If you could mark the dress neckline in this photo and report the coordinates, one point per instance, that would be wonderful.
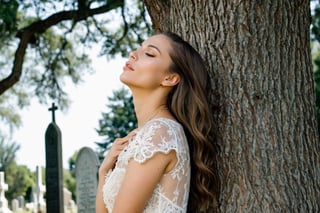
(164, 119)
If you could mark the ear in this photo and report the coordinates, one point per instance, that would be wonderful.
(171, 80)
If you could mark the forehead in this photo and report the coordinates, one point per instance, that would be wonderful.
(160, 41)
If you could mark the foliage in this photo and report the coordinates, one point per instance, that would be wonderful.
(9, 116)
(70, 175)
(18, 177)
(118, 120)
(47, 44)
(20, 180)
(8, 153)
(8, 17)
(315, 23)
(315, 51)
(69, 182)
(72, 162)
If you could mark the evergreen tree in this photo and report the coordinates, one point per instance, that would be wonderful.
(118, 120)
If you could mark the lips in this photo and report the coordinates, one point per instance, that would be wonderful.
(128, 67)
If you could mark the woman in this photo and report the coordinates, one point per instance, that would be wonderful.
(168, 163)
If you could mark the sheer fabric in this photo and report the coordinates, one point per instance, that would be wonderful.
(171, 193)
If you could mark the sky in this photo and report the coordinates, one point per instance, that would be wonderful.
(78, 123)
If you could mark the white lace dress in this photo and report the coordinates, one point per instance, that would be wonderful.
(171, 193)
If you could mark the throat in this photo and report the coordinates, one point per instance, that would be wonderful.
(145, 117)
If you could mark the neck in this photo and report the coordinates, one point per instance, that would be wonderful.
(148, 108)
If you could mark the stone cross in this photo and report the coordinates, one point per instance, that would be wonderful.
(3, 201)
(53, 109)
(54, 167)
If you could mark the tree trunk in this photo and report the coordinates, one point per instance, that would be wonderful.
(258, 54)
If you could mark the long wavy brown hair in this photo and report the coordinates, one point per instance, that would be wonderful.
(189, 103)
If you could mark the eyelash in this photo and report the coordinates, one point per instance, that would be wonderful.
(150, 55)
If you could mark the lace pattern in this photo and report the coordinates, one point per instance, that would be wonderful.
(171, 193)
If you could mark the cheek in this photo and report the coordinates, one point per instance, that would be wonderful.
(141, 78)
(156, 73)
(147, 74)
(148, 79)
(153, 70)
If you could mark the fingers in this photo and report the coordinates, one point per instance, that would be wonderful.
(121, 142)
(117, 147)
(129, 136)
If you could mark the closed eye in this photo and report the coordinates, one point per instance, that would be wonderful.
(150, 55)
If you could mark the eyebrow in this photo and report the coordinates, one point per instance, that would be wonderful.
(152, 46)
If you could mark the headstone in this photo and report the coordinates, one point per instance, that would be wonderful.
(69, 205)
(14, 205)
(39, 191)
(54, 167)
(87, 165)
(21, 201)
(3, 201)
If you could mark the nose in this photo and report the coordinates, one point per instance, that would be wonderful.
(133, 55)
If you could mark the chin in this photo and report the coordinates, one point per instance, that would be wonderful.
(125, 81)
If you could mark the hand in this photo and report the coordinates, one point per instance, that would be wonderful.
(111, 158)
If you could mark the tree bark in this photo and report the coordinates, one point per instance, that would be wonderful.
(258, 56)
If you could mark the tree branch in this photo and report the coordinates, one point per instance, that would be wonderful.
(28, 35)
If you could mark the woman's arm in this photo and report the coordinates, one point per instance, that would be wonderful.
(100, 206)
(140, 181)
(107, 164)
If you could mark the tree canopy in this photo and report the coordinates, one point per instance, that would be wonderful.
(46, 43)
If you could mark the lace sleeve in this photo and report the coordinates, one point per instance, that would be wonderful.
(155, 136)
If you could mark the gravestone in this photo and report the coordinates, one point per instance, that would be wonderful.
(54, 167)
(87, 165)
(69, 205)
(3, 201)
(21, 201)
(15, 205)
(39, 191)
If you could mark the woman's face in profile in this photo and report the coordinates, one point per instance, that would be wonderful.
(148, 65)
